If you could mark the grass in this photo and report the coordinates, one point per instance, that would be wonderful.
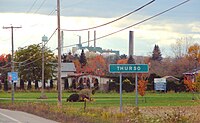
(108, 99)
(158, 107)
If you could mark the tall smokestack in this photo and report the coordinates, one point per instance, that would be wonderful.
(131, 45)
(88, 38)
(79, 39)
(94, 39)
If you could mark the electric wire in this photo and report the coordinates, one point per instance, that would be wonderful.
(52, 12)
(40, 6)
(119, 18)
(32, 6)
(147, 19)
(21, 62)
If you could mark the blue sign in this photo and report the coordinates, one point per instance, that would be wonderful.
(12, 76)
(128, 68)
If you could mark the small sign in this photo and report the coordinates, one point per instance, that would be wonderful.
(12, 76)
(128, 68)
(160, 84)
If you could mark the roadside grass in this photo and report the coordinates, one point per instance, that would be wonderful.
(108, 99)
(153, 108)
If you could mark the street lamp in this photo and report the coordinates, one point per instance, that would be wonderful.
(44, 40)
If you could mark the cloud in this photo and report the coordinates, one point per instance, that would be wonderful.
(34, 26)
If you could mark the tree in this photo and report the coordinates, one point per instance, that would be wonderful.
(198, 82)
(190, 85)
(131, 60)
(66, 84)
(77, 65)
(69, 57)
(83, 59)
(51, 83)
(36, 84)
(142, 85)
(156, 56)
(30, 62)
(29, 85)
(194, 53)
(122, 61)
(180, 47)
(124, 56)
(5, 66)
(64, 58)
(21, 84)
(96, 66)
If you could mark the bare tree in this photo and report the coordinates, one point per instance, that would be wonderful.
(180, 47)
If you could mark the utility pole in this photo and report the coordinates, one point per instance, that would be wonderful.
(44, 40)
(12, 59)
(59, 84)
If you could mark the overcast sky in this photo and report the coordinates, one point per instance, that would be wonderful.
(38, 18)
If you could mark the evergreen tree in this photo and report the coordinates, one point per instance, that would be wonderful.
(157, 56)
(131, 60)
(69, 57)
(83, 59)
(124, 56)
(64, 58)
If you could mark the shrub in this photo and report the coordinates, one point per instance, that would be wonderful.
(0, 86)
(111, 86)
(87, 92)
(127, 86)
(6, 85)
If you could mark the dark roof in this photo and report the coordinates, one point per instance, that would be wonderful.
(171, 77)
(193, 71)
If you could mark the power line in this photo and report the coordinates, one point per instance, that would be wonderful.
(112, 20)
(35, 53)
(135, 23)
(32, 6)
(40, 6)
(52, 12)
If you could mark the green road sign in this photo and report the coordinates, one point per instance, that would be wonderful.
(128, 68)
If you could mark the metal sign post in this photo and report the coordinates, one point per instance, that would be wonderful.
(136, 90)
(120, 78)
(128, 68)
(12, 77)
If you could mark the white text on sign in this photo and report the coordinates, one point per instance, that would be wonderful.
(128, 68)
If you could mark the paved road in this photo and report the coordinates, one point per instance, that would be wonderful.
(8, 116)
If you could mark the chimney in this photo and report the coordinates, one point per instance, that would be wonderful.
(94, 39)
(88, 38)
(131, 45)
(79, 37)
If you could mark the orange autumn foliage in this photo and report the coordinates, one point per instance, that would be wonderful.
(190, 85)
(142, 86)
(122, 61)
(95, 66)
(77, 65)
